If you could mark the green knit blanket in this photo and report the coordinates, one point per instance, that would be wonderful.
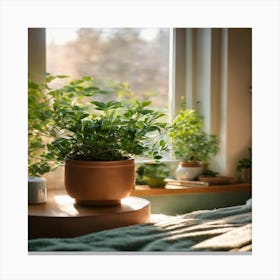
(224, 229)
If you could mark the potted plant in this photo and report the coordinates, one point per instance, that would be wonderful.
(191, 144)
(97, 141)
(153, 174)
(139, 174)
(244, 167)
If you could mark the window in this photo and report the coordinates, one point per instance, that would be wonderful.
(205, 66)
(137, 56)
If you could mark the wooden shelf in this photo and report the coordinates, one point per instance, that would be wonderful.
(61, 217)
(147, 191)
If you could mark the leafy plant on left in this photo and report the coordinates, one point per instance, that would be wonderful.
(68, 123)
(41, 116)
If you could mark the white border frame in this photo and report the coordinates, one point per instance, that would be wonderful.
(17, 16)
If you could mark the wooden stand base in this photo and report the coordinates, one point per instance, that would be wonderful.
(62, 217)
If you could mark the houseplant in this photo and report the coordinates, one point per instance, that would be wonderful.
(97, 141)
(39, 114)
(40, 132)
(153, 173)
(191, 144)
(244, 167)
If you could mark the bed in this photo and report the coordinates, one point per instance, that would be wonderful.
(218, 230)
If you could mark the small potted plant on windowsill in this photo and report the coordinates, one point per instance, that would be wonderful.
(97, 141)
(191, 144)
(153, 174)
(244, 167)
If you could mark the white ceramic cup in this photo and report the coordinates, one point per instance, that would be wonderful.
(37, 191)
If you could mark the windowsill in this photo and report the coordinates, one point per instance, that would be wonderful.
(144, 190)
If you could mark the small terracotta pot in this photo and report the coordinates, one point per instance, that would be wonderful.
(99, 182)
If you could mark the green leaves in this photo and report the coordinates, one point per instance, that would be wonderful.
(112, 135)
(189, 141)
(90, 91)
(53, 112)
(245, 162)
(39, 168)
(107, 106)
(66, 122)
(155, 170)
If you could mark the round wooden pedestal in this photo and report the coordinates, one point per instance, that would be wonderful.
(61, 217)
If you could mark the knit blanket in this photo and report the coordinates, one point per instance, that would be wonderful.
(224, 229)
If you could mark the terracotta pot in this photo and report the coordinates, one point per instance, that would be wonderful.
(99, 182)
(189, 170)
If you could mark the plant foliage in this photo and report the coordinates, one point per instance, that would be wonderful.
(77, 126)
(156, 170)
(189, 141)
(245, 162)
(39, 116)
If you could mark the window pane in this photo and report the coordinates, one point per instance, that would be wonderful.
(137, 56)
